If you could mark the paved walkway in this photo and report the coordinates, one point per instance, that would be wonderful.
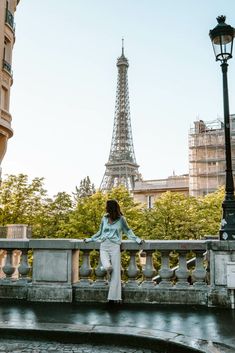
(21, 346)
(185, 324)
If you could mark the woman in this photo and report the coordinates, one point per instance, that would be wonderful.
(112, 226)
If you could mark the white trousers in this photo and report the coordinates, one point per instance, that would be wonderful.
(110, 256)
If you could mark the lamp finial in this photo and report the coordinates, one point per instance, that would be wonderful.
(221, 19)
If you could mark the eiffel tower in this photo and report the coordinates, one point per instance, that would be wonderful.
(121, 168)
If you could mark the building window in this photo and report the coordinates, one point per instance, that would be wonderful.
(9, 17)
(7, 50)
(149, 201)
(7, 55)
(4, 98)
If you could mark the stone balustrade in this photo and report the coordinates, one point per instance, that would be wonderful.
(61, 270)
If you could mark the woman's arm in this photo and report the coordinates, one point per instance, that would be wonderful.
(129, 232)
(96, 235)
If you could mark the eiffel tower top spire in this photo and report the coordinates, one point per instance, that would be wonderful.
(122, 60)
(121, 168)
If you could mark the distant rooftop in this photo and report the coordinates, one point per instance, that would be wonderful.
(174, 181)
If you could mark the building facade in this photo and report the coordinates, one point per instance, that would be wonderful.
(7, 39)
(207, 156)
(147, 191)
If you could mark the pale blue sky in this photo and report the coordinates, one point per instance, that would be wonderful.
(65, 74)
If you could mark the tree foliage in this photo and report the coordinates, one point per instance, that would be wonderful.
(25, 202)
(85, 219)
(20, 200)
(209, 212)
(86, 188)
(174, 215)
(56, 211)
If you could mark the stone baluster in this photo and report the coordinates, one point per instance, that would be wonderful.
(148, 270)
(182, 272)
(132, 270)
(8, 268)
(100, 276)
(24, 267)
(233, 256)
(199, 274)
(165, 272)
(15, 263)
(2, 262)
(85, 269)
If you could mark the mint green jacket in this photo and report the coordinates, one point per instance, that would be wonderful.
(113, 231)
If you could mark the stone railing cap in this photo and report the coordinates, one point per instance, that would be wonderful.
(221, 245)
(14, 243)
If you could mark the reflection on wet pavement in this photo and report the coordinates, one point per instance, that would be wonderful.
(198, 322)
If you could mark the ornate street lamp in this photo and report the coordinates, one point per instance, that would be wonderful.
(222, 40)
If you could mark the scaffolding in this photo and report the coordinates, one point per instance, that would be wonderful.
(207, 155)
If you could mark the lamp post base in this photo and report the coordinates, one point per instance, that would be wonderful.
(227, 231)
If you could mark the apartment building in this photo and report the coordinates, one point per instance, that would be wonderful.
(147, 191)
(7, 39)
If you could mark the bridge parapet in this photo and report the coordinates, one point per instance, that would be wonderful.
(164, 272)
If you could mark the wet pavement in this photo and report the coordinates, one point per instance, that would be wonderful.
(21, 346)
(191, 323)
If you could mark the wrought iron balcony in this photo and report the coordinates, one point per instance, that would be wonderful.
(10, 19)
(6, 66)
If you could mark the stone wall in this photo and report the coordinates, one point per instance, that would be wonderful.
(60, 270)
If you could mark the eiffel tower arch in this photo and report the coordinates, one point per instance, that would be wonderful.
(121, 168)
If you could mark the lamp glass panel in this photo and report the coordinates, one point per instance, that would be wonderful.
(223, 47)
(223, 39)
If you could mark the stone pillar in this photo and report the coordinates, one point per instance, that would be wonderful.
(221, 253)
(17, 231)
(55, 269)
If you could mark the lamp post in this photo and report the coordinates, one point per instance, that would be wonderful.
(222, 40)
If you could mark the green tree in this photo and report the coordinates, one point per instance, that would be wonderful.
(84, 221)
(85, 189)
(174, 216)
(21, 201)
(210, 212)
(56, 211)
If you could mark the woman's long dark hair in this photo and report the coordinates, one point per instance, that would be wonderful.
(113, 210)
